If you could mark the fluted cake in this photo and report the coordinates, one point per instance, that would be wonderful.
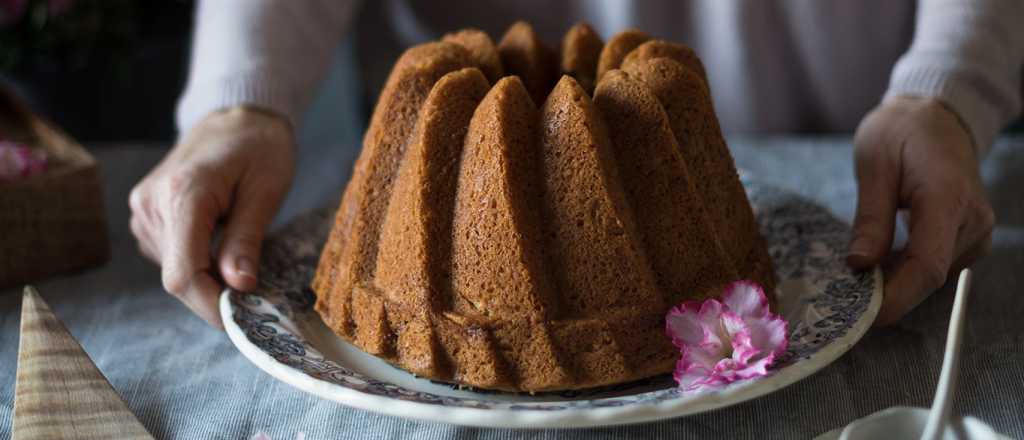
(521, 219)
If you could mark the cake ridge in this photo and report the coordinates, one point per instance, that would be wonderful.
(581, 50)
(496, 236)
(654, 49)
(590, 221)
(523, 54)
(684, 94)
(482, 50)
(660, 188)
(617, 48)
(394, 118)
(414, 255)
(492, 185)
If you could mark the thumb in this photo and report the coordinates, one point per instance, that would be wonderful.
(877, 203)
(254, 209)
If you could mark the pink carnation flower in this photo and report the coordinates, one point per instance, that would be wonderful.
(725, 341)
(18, 161)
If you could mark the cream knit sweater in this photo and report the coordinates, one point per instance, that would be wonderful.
(774, 66)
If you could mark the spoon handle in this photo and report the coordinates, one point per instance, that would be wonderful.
(943, 403)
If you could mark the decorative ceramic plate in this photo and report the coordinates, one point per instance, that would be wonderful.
(828, 306)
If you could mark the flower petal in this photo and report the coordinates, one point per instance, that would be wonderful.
(739, 335)
(683, 326)
(710, 311)
(706, 358)
(716, 339)
(688, 375)
(768, 334)
(758, 368)
(733, 324)
(746, 298)
(699, 380)
(696, 324)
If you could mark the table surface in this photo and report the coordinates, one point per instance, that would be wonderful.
(186, 380)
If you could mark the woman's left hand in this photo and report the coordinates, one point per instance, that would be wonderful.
(913, 153)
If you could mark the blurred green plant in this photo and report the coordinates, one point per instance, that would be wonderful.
(64, 35)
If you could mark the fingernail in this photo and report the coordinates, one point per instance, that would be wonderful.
(858, 260)
(859, 254)
(245, 267)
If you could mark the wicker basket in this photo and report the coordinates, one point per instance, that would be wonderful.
(54, 222)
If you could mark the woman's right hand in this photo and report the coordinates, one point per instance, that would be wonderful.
(233, 168)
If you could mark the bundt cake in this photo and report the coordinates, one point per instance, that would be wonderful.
(507, 229)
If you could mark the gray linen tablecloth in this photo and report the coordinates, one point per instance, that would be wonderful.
(185, 380)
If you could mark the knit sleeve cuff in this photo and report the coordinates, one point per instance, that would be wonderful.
(960, 91)
(255, 88)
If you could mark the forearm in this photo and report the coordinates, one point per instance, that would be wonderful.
(968, 54)
(269, 54)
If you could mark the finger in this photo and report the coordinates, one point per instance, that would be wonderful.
(925, 262)
(239, 256)
(185, 253)
(974, 240)
(877, 203)
(202, 296)
(142, 236)
(972, 254)
(137, 200)
(141, 204)
(975, 237)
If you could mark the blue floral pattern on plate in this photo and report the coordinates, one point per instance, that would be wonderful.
(806, 242)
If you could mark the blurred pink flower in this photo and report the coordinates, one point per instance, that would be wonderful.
(725, 341)
(18, 161)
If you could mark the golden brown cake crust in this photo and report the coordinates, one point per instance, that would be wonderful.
(524, 55)
(498, 259)
(672, 217)
(482, 49)
(596, 243)
(491, 242)
(617, 48)
(684, 95)
(413, 261)
(351, 251)
(581, 49)
(677, 52)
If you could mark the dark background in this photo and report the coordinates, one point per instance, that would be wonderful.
(104, 70)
